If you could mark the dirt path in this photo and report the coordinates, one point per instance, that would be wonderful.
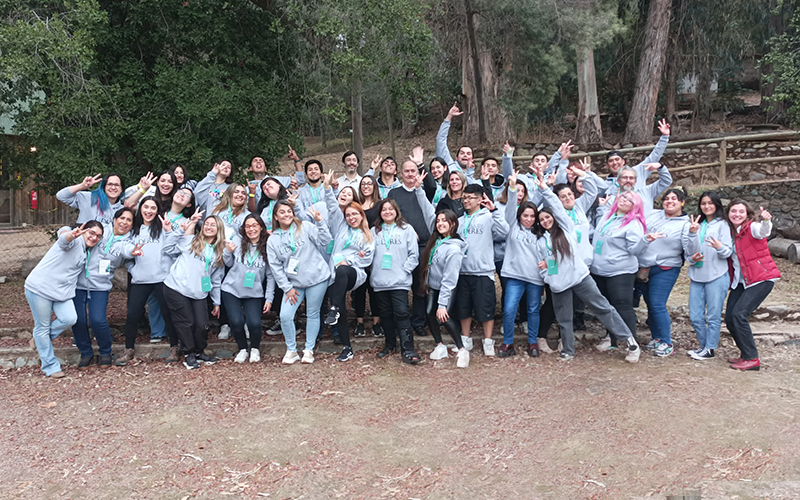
(504, 428)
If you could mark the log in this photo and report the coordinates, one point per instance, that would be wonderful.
(794, 253)
(780, 247)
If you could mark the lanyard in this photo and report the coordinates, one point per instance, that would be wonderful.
(384, 190)
(230, 215)
(436, 247)
(208, 253)
(467, 222)
(388, 237)
(703, 229)
(176, 217)
(351, 236)
(547, 244)
(571, 213)
(315, 193)
(610, 220)
(291, 237)
(110, 244)
(88, 256)
(251, 258)
(270, 206)
(437, 195)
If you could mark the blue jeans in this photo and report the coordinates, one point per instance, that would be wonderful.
(656, 293)
(157, 325)
(705, 309)
(241, 311)
(514, 291)
(97, 302)
(44, 331)
(313, 295)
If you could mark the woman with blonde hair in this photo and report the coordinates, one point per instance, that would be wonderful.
(232, 209)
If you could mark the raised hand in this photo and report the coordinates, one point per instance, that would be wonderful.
(215, 169)
(551, 179)
(252, 186)
(507, 149)
(484, 173)
(663, 127)
(579, 172)
(420, 178)
(137, 250)
(165, 223)
(454, 111)
(327, 179)
(315, 213)
(694, 223)
(486, 202)
(147, 181)
(586, 164)
(90, 181)
(713, 242)
(293, 184)
(764, 214)
(417, 154)
(292, 154)
(78, 231)
(651, 237)
(566, 150)
(197, 215)
(292, 198)
(603, 200)
(652, 167)
(512, 181)
(375, 163)
(230, 246)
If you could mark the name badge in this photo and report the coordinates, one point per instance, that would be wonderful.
(329, 248)
(598, 247)
(205, 282)
(386, 261)
(552, 267)
(229, 233)
(579, 235)
(104, 269)
(249, 279)
(294, 263)
(338, 259)
(698, 264)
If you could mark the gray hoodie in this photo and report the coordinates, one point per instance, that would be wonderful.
(568, 271)
(186, 275)
(667, 251)
(445, 267)
(157, 255)
(443, 152)
(715, 262)
(207, 193)
(519, 261)
(233, 223)
(303, 251)
(55, 276)
(235, 279)
(583, 229)
(391, 268)
(104, 259)
(82, 200)
(347, 244)
(655, 155)
(479, 231)
(616, 248)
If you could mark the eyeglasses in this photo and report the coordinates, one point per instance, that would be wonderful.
(94, 234)
(473, 198)
(113, 184)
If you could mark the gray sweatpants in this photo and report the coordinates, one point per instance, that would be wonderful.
(588, 292)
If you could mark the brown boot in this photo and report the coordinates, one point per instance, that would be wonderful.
(127, 357)
(174, 355)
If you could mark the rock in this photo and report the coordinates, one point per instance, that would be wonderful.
(777, 309)
(687, 182)
(761, 316)
(20, 362)
(792, 232)
(760, 145)
(119, 283)
(34, 362)
(794, 316)
(756, 176)
(714, 146)
(682, 151)
(6, 364)
(749, 150)
(224, 354)
(786, 148)
(27, 266)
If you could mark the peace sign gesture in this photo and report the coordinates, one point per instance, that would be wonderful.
(137, 250)
(292, 198)
(586, 164)
(486, 202)
(78, 231)
(147, 180)
(327, 179)
(90, 181)
(197, 215)
(714, 242)
(315, 213)
(603, 200)
(420, 178)
(566, 149)
(651, 237)
(694, 223)
(579, 172)
(165, 223)
(375, 162)
(454, 111)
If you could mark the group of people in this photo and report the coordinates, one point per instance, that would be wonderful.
(560, 239)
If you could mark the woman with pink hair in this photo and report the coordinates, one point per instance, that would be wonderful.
(620, 236)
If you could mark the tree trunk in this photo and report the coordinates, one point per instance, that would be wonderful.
(648, 80)
(702, 94)
(589, 129)
(476, 70)
(777, 25)
(358, 132)
(389, 121)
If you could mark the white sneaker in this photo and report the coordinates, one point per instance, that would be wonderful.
(560, 346)
(308, 356)
(241, 357)
(604, 345)
(255, 356)
(291, 357)
(524, 327)
(488, 347)
(246, 332)
(275, 329)
(467, 341)
(633, 355)
(440, 352)
(224, 332)
(462, 358)
(502, 330)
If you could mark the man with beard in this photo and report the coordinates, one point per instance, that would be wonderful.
(350, 178)
(259, 169)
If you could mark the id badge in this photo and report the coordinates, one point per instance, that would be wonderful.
(552, 267)
(579, 235)
(337, 259)
(104, 269)
(205, 282)
(698, 264)
(294, 263)
(249, 279)
(329, 248)
(229, 233)
(598, 247)
(386, 262)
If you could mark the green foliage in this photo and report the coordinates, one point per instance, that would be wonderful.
(784, 55)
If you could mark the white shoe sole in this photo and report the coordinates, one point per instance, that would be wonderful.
(291, 360)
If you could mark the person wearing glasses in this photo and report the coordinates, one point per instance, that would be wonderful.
(51, 285)
(100, 204)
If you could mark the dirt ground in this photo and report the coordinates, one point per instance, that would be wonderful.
(534, 428)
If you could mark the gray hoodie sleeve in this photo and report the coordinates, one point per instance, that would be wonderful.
(559, 213)
(335, 216)
(635, 241)
(428, 212)
(413, 250)
(452, 266)
(217, 273)
(201, 189)
(499, 225)
(508, 164)
(269, 294)
(663, 183)
(590, 189)
(441, 145)
(658, 151)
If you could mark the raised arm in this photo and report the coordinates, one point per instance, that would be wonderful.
(559, 213)
(441, 137)
(428, 212)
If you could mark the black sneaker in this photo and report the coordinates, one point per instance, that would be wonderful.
(346, 355)
(377, 330)
(333, 316)
(387, 351)
(190, 362)
(703, 354)
(420, 331)
(205, 358)
(337, 340)
(85, 362)
(360, 330)
(105, 361)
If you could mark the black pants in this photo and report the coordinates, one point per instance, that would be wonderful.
(137, 298)
(190, 317)
(359, 298)
(619, 292)
(393, 310)
(547, 314)
(241, 312)
(432, 303)
(345, 280)
(741, 304)
(418, 300)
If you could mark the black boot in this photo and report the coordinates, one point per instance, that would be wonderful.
(407, 346)
(389, 343)
(578, 323)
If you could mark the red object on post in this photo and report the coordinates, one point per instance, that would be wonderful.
(34, 200)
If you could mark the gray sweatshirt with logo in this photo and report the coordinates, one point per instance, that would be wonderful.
(82, 200)
(104, 259)
(479, 231)
(234, 280)
(391, 268)
(568, 271)
(186, 275)
(715, 262)
(157, 255)
(311, 267)
(445, 268)
(55, 276)
(617, 248)
(667, 251)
